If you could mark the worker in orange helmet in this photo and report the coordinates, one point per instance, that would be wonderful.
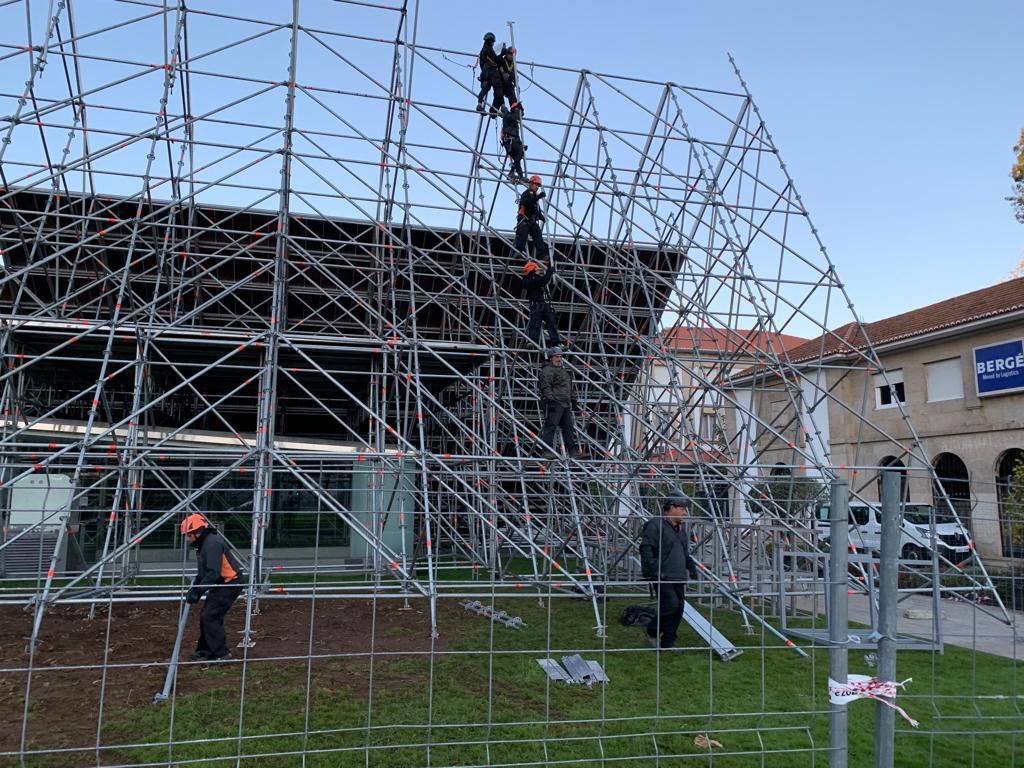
(219, 576)
(535, 285)
(529, 220)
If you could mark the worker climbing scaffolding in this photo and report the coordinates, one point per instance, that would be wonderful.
(529, 220)
(507, 72)
(512, 140)
(558, 399)
(490, 77)
(535, 285)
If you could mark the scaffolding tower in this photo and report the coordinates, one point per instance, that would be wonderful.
(261, 268)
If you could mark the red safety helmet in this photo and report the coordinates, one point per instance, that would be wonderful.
(530, 266)
(192, 523)
(535, 179)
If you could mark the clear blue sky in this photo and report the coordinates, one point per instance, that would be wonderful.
(896, 119)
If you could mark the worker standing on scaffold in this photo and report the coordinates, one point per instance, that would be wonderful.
(665, 561)
(507, 70)
(219, 577)
(512, 140)
(557, 400)
(529, 220)
(490, 77)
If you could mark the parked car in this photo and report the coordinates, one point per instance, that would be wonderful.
(952, 539)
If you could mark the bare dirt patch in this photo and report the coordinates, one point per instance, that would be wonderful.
(84, 669)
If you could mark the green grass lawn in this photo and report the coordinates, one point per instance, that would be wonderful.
(768, 707)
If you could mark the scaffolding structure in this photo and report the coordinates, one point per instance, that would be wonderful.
(264, 268)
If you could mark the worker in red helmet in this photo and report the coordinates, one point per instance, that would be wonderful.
(219, 577)
(490, 77)
(529, 220)
(535, 286)
(512, 140)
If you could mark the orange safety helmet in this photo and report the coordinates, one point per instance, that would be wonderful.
(193, 523)
(535, 179)
(530, 266)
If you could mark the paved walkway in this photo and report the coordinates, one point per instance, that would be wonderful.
(963, 624)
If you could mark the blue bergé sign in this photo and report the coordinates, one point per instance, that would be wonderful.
(999, 368)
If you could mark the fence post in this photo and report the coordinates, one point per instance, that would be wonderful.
(888, 596)
(838, 619)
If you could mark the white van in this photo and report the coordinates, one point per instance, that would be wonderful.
(954, 542)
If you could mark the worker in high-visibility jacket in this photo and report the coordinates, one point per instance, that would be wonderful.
(219, 577)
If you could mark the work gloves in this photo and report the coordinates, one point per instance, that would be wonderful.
(193, 596)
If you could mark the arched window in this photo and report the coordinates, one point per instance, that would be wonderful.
(951, 477)
(781, 470)
(894, 463)
(1010, 524)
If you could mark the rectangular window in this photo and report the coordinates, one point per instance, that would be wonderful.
(888, 395)
(708, 425)
(945, 380)
(859, 515)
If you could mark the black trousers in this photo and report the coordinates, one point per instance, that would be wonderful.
(558, 416)
(514, 148)
(542, 314)
(671, 600)
(509, 87)
(211, 621)
(490, 79)
(530, 228)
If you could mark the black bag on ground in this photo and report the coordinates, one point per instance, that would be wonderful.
(637, 616)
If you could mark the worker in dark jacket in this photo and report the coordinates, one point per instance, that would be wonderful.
(665, 561)
(557, 401)
(529, 220)
(507, 70)
(490, 76)
(535, 285)
(512, 139)
(219, 577)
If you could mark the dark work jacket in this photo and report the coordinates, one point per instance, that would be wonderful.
(556, 384)
(488, 58)
(215, 562)
(510, 125)
(664, 551)
(535, 285)
(508, 72)
(529, 206)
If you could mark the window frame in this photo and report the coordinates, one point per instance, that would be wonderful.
(927, 387)
(895, 377)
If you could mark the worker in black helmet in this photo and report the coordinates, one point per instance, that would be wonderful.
(512, 140)
(665, 561)
(490, 77)
(529, 220)
(535, 285)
